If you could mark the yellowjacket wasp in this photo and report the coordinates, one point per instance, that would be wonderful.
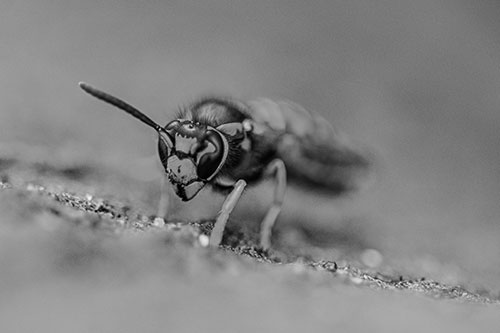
(228, 144)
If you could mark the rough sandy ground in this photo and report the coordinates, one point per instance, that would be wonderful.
(79, 253)
(416, 81)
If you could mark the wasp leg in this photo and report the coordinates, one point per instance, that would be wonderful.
(227, 208)
(164, 203)
(276, 168)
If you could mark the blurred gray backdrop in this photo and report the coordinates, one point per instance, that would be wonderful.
(417, 81)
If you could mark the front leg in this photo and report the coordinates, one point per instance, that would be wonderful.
(164, 203)
(227, 208)
(278, 170)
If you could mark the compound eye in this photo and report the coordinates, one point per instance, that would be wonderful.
(211, 159)
(165, 144)
(172, 125)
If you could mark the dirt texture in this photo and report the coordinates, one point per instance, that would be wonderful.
(79, 253)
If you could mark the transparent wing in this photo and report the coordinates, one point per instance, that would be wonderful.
(315, 154)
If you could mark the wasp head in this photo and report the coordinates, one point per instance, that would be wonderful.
(192, 154)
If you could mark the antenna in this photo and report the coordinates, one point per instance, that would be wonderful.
(121, 105)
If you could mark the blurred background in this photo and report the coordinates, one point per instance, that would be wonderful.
(417, 82)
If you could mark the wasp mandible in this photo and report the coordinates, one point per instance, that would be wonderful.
(228, 144)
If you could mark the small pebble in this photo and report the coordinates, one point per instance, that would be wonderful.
(159, 222)
(172, 226)
(107, 216)
(204, 240)
(120, 222)
(298, 267)
(341, 271)
(356, 280)
(371, 258)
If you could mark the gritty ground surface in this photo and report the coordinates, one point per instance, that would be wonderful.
(79, 254)
(416, 81)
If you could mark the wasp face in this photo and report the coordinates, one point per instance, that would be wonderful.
(192, 154)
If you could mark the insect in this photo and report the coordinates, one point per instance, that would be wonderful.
(228, 144)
